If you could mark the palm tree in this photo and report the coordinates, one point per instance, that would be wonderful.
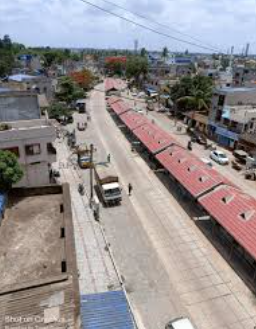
(198, 95)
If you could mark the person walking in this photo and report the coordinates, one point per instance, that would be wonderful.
(108, 158)
(130, 188)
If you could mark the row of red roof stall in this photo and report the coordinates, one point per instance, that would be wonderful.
(227, 204)
(114, 84)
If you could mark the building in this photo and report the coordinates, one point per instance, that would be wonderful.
(18, 105)
(24, 82)
(39, 277)
(233, 111)
(31, 141)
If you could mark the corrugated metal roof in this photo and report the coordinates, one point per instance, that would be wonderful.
(116, 84)
(192, 173)
(133, 120)
(113, 99)
(120, 107)
(21, 77)
(236, 212)
(108, 310)
(153, 138)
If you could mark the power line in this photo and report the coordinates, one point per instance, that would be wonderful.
(157, 23)
(149, 28)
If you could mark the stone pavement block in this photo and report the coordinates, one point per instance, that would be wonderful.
(248, 324)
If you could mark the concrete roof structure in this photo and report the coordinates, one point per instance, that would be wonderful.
(38, 263)
(231, 90)
(236, 212)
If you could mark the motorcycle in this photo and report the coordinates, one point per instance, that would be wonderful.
(81, 189)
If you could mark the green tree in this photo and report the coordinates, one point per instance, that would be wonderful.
(58, 110)
(193, 93)
(69, 91)
(137, 68)
(165, 53)
(10, 170)
(143, 52)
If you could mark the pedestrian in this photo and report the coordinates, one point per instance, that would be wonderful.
(108, 158)
(130, 188)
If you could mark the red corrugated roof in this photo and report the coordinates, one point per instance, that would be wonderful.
(133, 120)
(120, 107)
(153, 137)
(113, 99)
(236, 212)
(116, 84)
(194, 175)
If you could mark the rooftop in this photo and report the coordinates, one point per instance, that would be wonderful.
(32, 254)
(230, 90)
(20, 77)
(236, 212)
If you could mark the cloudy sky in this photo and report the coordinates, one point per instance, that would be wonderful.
(72, 23)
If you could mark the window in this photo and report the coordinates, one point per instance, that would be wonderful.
(14, 150)
(32, 149)
(221, 100)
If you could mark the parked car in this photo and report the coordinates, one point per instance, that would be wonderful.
(138, 110)
(219, 157)
(207, 162)
(141, 95)
(180, 323)
(162, 109)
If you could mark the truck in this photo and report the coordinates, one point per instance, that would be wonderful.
(107, 183)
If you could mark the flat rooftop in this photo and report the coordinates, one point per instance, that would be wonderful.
(30, 247)
(38, 266)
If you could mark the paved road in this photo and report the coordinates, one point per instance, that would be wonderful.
(169, 267)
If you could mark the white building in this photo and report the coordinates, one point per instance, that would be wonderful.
(32, 142)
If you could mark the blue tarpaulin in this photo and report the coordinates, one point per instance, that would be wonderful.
(2, 204)
(107, 310)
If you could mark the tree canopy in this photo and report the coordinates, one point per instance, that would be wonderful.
(58, 111)
(193, 93)
(10, 170)
(8, 50)
(69, 91)
(84, 78)
(137, 68)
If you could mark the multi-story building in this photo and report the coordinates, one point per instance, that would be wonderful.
(233, 111)
(32, 142)
(18, 105)
(23, 82)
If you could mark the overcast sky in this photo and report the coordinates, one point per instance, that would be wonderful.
(71, 23)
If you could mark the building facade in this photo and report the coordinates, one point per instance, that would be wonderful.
(232, 113)
(32, 142)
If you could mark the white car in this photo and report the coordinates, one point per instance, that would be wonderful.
(207, 162)
(181, 323)
(141, 95)
(138, 110)
(220, 157)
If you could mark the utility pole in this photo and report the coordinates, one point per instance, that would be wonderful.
(91, 174)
